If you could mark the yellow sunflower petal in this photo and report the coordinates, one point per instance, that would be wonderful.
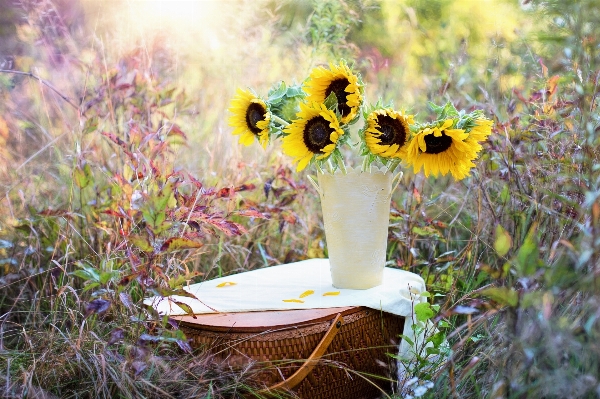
(244, 104)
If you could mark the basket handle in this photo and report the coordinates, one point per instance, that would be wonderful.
(310, 363)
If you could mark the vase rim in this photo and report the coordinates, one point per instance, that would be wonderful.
(356, 171)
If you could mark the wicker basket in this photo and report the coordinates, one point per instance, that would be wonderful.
(317, 353)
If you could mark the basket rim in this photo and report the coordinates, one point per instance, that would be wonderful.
(262, 321)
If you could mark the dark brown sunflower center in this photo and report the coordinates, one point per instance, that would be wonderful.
(435, 145)
(254, 114)
(392, 131)
(338, 87)
(317, 134)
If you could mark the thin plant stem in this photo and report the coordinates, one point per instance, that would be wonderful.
(279, 120)
(365, 164)
(330, 165)
(45, 83)
(393, 165)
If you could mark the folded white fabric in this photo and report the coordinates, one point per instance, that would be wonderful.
(281, 287)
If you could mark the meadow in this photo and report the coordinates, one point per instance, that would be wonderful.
(113, 124)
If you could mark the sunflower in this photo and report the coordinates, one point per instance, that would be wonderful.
(250, 118)
(481, 130)
(441, 149)
(387, 133)
(315, 133)
(338, 79)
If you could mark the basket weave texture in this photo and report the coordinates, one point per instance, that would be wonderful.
(349, 368)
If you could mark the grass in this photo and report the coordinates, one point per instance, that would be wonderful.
(134, 187)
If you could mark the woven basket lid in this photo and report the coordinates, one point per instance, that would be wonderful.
(261, 321)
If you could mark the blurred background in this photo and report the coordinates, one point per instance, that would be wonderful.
(104, 103)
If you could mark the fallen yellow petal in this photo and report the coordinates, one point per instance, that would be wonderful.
(226, 284)
(293, 300)
(306, 293)
(331, 293)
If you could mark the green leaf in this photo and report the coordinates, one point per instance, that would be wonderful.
(85, 275)
(432, 351)
(106, 276)
(82, 176)
(91, 125)
(502, 242)
(437, 338)
(177, 281)
(528, 254)
(276, 93)
(502, 295)
(331, 102)
(290, 108)
(410, 341)
(90, 286)
(295, 91)
(443, 324)
(426, 231)
(423, 311)
(444, 112)
(186, 308)
(505, 194)
(141, 242)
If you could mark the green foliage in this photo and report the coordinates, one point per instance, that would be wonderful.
(134, 191)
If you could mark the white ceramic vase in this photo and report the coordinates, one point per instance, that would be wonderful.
(356, 215)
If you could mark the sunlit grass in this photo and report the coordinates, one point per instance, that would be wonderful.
(135, 69)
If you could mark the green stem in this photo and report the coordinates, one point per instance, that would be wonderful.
(330, 165)
(277, 119)
(365, 163)
(342, 166)
(394, 165)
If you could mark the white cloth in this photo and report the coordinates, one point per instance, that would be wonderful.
(266, 289)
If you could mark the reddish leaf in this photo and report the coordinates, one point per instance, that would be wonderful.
(519, 96)
(56, 213)
(253, 213)
(145, 280)
(278, 191)
(128, 278)
(184, 345)
(417, 195)
(138, 366)
(126, 300)
(173, 323)
(98, 306)
(196, 182)
(177, 243)
(225, 192)
(552, 84)
(230, 228)
(144, 338)
(287, 200)
(267, 187)
(133, 259)
(116, 335)
(176, 130)
(121, 144)
(289, 217)
(245, 187)
(114, 213)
